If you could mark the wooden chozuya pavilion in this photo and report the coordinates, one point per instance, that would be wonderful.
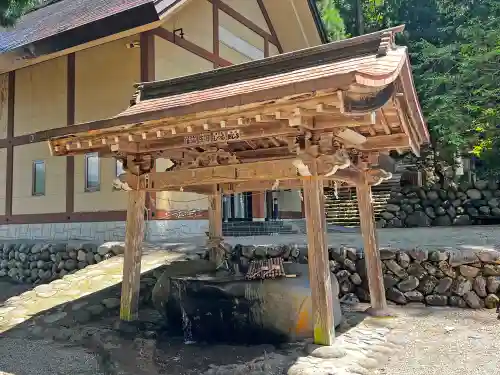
(299, 120)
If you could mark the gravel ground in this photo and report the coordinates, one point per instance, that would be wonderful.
(25, 357)
(448, 341)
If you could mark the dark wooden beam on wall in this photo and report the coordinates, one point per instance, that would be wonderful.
(215, 25)
(9, 178)
(190, 46)
(70, 120)
(274, 39)
(247, 22)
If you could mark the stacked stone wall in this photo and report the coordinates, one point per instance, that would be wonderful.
(38, 263)
(439, 205)
(468, 277)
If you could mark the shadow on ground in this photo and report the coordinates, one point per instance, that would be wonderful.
(87, 330)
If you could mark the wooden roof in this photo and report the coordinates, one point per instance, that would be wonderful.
(356, 94)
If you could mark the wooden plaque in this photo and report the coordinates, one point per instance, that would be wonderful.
(221, 136)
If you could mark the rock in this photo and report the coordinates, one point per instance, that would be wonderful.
(491, 270)
(492, 185)
(491, 301)
(419, 255)
(387, 215)
(395, 295)
(468, 271)
(70, 265)
(390, 281)
(430, 268)
(489, 256)
(462, 220)
(81, 316)
(457, 301)
(363, 294)
(461, 286)
(474, 194)
(342, 275)
(463, 255)
(410, 283)
(90, 258)
(37, 248)
(392, 207)
(472, 212)
(493, 284)
(408, 208)
(414, 296)
(438, 256)
(479, 286)
(81, 256)
(480, 184)
(349, 299)
(444, 285)
(440, 211)
(97, 258)
(429, 211)
(350, 265)
(456, 203)
(72, 254)
(427, 284)
(356, 279)
(436, 300)
(111, 303)
(494, 202)
(432, 195)
(484, 210)
(395, 268)
(387, 254)
(82, 265)
(403, 259)
(442, 221)
(416, 269)
(418, 219)
(334, 266)
(95, 309)
(472, 300)
(260, 252)
(346, 286)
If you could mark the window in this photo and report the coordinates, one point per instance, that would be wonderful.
(38, 187)
(242, 46)
(92, 178)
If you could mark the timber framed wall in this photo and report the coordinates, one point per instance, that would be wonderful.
(44, 100)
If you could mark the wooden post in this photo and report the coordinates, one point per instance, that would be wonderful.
(132, 257)
(319, 270)
(372, 256)
(215, 224)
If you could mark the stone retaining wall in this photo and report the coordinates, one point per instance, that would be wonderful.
(467, 277)
(442, 205)
(37, 263)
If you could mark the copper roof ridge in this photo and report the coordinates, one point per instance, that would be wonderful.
(373, 43)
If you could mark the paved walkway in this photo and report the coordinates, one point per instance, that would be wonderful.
(92, 279)
(406, 238)
(447, 341)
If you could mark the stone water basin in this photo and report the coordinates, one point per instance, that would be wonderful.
(209, 307)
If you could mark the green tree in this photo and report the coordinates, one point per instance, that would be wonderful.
(454, 48)
(11, 10)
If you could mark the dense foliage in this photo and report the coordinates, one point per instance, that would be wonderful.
(11, 10)
(455, 52)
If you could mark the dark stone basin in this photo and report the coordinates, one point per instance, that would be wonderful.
(208, 307)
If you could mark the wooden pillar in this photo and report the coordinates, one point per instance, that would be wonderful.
(132, 257)
(372, 256)
(215, 224)
(319, 270)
